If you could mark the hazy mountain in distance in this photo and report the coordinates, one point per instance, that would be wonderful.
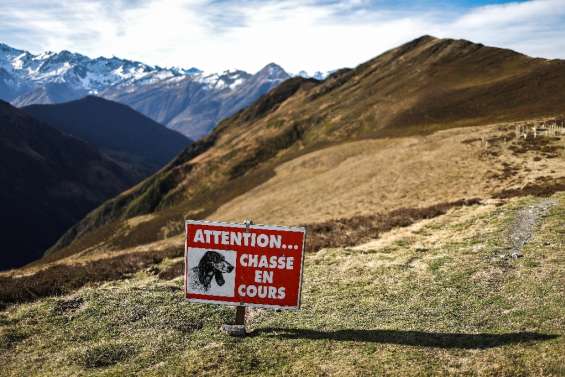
(120, 132)
(306, 148)
(49, 181)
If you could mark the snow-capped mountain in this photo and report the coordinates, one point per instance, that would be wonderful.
(194, 105)
(67, 71)
(316, 75)
(188, 100)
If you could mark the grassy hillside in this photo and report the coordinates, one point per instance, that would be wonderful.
(442, 296)
(342, 181)
(290, 156)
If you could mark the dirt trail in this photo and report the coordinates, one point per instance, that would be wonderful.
(523, 227)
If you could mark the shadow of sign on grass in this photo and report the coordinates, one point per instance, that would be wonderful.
(409, 338)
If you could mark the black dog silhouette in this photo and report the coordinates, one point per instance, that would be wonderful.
(212, 265)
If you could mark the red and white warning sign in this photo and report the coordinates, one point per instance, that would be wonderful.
(235, 264)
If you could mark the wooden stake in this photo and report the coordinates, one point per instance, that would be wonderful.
(240, 315)
(238, 328)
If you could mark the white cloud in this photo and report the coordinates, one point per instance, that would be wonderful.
(311, 35)
(535, 12)
(536, 28)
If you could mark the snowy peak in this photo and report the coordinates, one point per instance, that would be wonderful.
(186, 99)
(316, 75)
(227, 80)
(6, 50)
(9, 55)
(273, 71)
(190, 71)
(82, 75)
(77, 71)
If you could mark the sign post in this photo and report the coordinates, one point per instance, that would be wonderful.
(243, 265)
(240, 315)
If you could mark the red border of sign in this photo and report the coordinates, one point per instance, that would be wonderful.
(254, 226)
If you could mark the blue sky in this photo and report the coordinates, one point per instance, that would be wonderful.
(312, 35)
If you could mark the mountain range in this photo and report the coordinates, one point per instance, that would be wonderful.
(397, 131)
(194, 105)
(188, 100)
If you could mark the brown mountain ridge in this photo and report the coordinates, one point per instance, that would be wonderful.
(401, 130)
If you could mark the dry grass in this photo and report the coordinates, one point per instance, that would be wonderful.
(372, 176)
(62, 278)
(355, 230)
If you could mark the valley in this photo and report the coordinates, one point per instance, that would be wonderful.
(339, 152)
(67, 159)
(52, 181)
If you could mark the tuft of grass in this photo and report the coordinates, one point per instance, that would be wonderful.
(67, 305)
(436, 263)
(103, 355)
(10, 337)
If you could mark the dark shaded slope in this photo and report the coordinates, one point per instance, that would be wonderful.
(425, 85)
(48, 181)
(119, 131)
